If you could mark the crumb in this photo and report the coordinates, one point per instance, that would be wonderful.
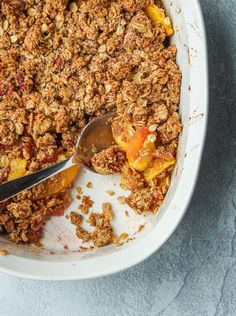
(98, 220)
(79, 190)
(83, 209)
(103, 233)
(127, 214)
(79, 194)
(4, 252)
(131, 179)
(123, 236)
(87, 203)
(140, 228)
(83, 248)
(121, 239)
(145, 200)
(111, 193)
(107, 210)
(109, 161)
(76, 219)
(81, 233)
(121, 199)
(66, 247)
(102, 236)
(89, 185)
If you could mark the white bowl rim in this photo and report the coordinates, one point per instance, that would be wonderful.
(110, 264)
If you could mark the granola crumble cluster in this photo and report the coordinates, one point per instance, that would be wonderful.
(103, 231)
(109, 161)
(63, 63)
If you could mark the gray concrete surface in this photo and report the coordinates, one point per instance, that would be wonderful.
(195, 272)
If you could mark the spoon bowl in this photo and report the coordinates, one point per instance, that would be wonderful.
(96, 136)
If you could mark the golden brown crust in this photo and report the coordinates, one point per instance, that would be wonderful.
(23, 220)
(81, 233)
(76, 219)
(132, 179)
(87, 203)
(103, 233)
(62, 63)
(145, 200)
(109, 161)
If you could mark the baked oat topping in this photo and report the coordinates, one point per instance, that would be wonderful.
(87, 203)
(82, 234)
(63, 63)
(145, 200)
(107, 210)
(76, 219)
(103, 233)
(109, 161)
(121, 199)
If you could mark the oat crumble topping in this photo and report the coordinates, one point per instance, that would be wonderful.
(63, 63)
(87, 203)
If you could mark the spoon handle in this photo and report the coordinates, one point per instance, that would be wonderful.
(12, 188)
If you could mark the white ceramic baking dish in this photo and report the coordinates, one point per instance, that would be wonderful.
(55, 261)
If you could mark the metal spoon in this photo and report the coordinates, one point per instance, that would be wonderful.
(95, 137)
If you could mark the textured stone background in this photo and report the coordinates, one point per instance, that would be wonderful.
(195, 272)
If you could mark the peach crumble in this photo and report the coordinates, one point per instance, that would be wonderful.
(62, 63)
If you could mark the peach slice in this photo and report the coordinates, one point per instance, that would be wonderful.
(54, 185)
(122, 134)
(157, 15)
(157, 168)
(17, 168)
(141, 146)
(58, 183)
